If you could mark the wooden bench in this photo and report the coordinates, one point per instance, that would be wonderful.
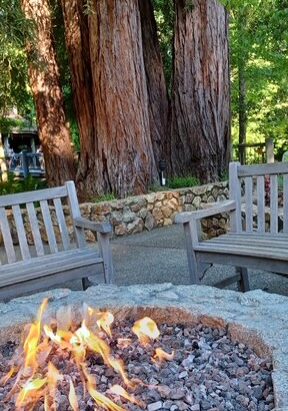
(53, 263)
(248, 244)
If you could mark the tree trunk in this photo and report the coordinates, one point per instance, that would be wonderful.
(124, 159)
(45, 84)
(200, 140)
(242, 59)
(77, 41)
(156, 85)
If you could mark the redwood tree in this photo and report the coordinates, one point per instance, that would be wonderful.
(77, 42)
(200, 129)
(120, 154)
(158, 103)
(45, 84)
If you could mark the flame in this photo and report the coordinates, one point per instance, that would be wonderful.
(118, 390)
(7, 377)
(103, 401)
(161, 355)
(105, 321)
(30, 392)
(124, 342)
(73, 397)
(34, 381)
(32, 340)
(146, 330)
(118, 366)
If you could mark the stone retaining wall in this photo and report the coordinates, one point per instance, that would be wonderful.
(255, 318)
(136, 214)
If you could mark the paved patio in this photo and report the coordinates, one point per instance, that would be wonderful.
(159, 256)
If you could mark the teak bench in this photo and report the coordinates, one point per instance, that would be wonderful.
(248, 244)
(55, 263)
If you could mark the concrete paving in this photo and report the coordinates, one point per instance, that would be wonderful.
(159, 256)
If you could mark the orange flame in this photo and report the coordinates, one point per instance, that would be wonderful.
(161, 355)
(73, 397)
(103, 401)
(146, 330)
(105, 321)
(32, 340)
(34, 382)
(118, 390)
(30, 392)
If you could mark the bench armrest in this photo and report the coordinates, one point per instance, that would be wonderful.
(92, 225)
(217, 208)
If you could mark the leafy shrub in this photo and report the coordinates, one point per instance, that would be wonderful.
(182, 182)
(15, 185)
(105, 197)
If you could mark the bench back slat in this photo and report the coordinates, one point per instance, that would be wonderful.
(47, 223)
(62, 223)
(7, 238)
(260, 204)
(48, 226)
(262, 170)
(75, 211)
(35, 229)
(285, 204)
(235, 194)
(267, 202)
(274, 204)
(33, 196)
(21, 232)
(249, 204)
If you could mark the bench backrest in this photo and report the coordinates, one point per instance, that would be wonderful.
(258, 188)
(14, 205)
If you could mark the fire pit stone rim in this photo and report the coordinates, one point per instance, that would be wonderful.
(256, 318)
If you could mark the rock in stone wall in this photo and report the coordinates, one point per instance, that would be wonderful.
(136, 214)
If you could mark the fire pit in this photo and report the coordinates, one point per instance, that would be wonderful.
(157, 348)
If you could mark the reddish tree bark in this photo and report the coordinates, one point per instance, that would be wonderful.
(44, 79)
(116, 147)
(77, 41)
(158, 102)
(200, 130)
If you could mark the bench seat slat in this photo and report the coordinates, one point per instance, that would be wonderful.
(253, 238)
(7, 238)
(257, 250)
(21, 232)
(47, 265)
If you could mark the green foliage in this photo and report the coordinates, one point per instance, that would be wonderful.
(15, 185)
(15, 31)
(259, 44)
(105, 197)
(182, 182)
(165, 16)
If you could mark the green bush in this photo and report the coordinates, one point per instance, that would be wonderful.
(15, 185)
(182, 182)
(105, 197)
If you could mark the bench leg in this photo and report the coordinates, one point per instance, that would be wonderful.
(244, 279)
(86, 283)
(192, 261)
(105, 251)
